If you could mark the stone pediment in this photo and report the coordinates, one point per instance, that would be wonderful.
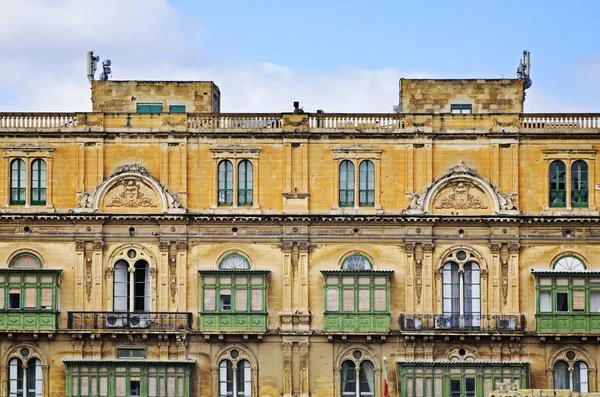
(461, 191)
(130, 189)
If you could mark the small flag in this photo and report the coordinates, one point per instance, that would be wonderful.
(385, 379)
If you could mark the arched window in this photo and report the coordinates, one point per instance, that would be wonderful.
(17, 182)
(569, 263)
(358, 380)
(346, 184)
(579, 184)
(366, 184)
(25, 260)
(245, 179)
(557, 182)
(225, 194)
(38, 182)
(461, 292)
(235, 381)
(356, 262)
(234, 262)
(25, 380)
(561, 376)
(580, 377)
(126, 298)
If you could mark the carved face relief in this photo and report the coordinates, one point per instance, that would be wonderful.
(463, 198)
(131, 195)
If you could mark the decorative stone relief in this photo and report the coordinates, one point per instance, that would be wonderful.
(419, 279)
(130, 188)
(88, 278)
(173, 277)
(504, 278)
(128, 194)
(460, 198)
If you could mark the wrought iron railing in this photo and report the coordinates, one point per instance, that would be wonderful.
(462, 323)
(151, 321)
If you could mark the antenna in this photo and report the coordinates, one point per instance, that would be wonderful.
(524, 69)
(106, 70)
(91, 65)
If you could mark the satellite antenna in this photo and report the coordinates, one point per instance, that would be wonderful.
(91, 65)
(106, 70)
(524, 69)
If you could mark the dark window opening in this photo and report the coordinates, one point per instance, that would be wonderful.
(562, 302)
(461, 108)
(14, 300)
(135, 388)
(225, 302)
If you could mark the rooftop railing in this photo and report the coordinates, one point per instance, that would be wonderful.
(309, 122)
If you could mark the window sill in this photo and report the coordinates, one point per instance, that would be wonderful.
(214, 209)
(570, 211)
(376, 210)
(28, 209)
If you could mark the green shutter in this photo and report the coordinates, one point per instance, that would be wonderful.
(146, 108)
(177, 109)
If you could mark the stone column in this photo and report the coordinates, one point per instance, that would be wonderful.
(409, 296)
(97, 265)
(494, 297)
(79, 275)
(165, 284)
(288, 282)
(182, 247)
(513, 275)
(304, 367)
(287, 368)
(429, 273)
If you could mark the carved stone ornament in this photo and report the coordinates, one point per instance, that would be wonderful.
(419, 279)
(173, 277)
(129, 195)
(461, 188)
(504, 271)
(88, 278)
(129, 187)
(460, 199)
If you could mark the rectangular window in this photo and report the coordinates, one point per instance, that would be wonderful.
(594, 301)
(578, 301)
(364, 300)
(225, 300)
(348, 300)
(177, 109)
(135, 388)
(333, 296)
(131, 353)
(241, 300)
(461, 108)
(545, 301)
(149, 108)
(209, 299)
(562, 301)
(257, 300)
(14, 298)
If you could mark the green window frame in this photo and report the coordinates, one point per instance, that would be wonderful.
(38, 182)
(568, 295)
(557, 185)
(579, 184)
(366, 184)
(234, 291)
(461, 108)
(131, 353)
(148, 108)
(225, 183)
(18, 177)
(32, 290)
(245, 183)
(357, 292)
(110, 378)
(346, 188)
(177, 109)
(460, 379)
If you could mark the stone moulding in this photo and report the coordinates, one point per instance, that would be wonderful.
(463, 178)
(130, 177)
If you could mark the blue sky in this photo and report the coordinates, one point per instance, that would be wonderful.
(337, 55)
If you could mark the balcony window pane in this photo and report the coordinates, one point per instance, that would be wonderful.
(46, 302)
(380, 300)
(257, 300)
(545, 301)
(348, 300)
(333, 303)
(578, 300)
(594, 301)
(209, 299)
(562, 301)
(241, 300)
(364, 300)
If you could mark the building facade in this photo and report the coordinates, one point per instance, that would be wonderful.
(156, 247)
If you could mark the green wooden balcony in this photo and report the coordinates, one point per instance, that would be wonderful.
(568, 323)
(233, 322)
(357, 322)
(30, 320)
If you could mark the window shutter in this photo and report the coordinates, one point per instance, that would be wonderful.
(364, 300)
(171, 386)
(209, 299)
(46, 298)
(545, 301)
(241, 300)
(103, 386)
(348, 300)
(333, 299)
(30, 297)
(74, 385)
(151, 386)
(121, 388)
(180, 392)
(380, 300)
(578, 300)
(594, 301)
(2, 298)
(257, 300)
(85, 384)
(161, 386)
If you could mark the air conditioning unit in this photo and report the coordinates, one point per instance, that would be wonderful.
(412, 324)
(442, 322)
(507, 324)
(115, 320)
(139, 320)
